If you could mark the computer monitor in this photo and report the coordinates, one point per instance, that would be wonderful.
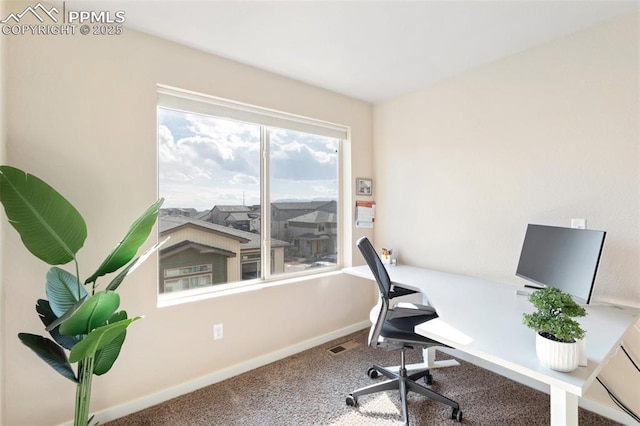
(565, 258)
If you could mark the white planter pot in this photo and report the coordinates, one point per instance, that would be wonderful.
(557, 356)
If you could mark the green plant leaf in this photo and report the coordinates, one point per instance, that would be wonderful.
(50, 353)
(106, 357)
(62, 290)
(115, 283)
(98, 339)
(118, 316)
(67, 314)
(50, 226)
(48, 317)
(127, 248)
(94, 312)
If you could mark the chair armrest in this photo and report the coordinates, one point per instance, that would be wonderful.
(407, 309)
(397, 291)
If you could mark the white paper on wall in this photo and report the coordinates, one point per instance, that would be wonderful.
(365, 214)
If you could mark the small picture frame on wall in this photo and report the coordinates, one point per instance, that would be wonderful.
(364, 186)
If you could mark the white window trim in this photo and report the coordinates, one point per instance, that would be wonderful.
(187, 101)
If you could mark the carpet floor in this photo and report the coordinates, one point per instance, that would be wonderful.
(310, 389)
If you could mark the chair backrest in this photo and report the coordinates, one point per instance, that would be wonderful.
(384, 287)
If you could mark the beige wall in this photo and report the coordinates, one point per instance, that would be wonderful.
(83, 117)
(543, 136)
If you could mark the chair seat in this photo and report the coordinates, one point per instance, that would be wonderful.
(392, 333)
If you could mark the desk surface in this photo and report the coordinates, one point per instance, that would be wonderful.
(484, 318)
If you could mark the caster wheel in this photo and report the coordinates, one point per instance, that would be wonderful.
(456, 414)
(372, 373)
(428, 379)
(352, 401)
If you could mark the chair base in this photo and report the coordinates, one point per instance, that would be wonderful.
(404, 383)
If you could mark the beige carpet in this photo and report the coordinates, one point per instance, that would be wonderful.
(310, 389)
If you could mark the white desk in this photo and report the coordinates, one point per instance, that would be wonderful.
(484, 319)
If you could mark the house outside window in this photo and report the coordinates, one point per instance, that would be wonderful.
(231, 173)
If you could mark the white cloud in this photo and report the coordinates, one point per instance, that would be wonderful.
(205, 161)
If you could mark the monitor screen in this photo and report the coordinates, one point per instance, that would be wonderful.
(564, 258)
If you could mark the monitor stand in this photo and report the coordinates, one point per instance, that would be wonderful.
(528, 289)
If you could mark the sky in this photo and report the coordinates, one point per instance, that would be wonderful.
(206, 161)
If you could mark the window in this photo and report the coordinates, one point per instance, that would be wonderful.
(186, 270)
(185, 278)
(231, 173)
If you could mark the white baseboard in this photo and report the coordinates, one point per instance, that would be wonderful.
(122, 410)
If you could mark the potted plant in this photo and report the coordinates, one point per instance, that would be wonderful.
(80, 318)
(558, 333)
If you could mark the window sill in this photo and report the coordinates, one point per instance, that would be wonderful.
(166, 300)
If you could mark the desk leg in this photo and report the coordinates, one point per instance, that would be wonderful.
(429, 354)
(429, 361)
(429, 357)
(564, 408)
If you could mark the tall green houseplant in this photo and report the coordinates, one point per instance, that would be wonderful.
(81, 318)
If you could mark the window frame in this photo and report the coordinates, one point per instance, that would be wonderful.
(191, 102)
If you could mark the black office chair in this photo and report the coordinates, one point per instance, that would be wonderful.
(393, 329)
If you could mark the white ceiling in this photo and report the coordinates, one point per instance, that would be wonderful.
(370, 50)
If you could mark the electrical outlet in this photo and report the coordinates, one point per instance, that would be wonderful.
(217, 331)
(579, 223)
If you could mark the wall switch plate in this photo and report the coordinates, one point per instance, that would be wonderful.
(217, 331)
(579, 223)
